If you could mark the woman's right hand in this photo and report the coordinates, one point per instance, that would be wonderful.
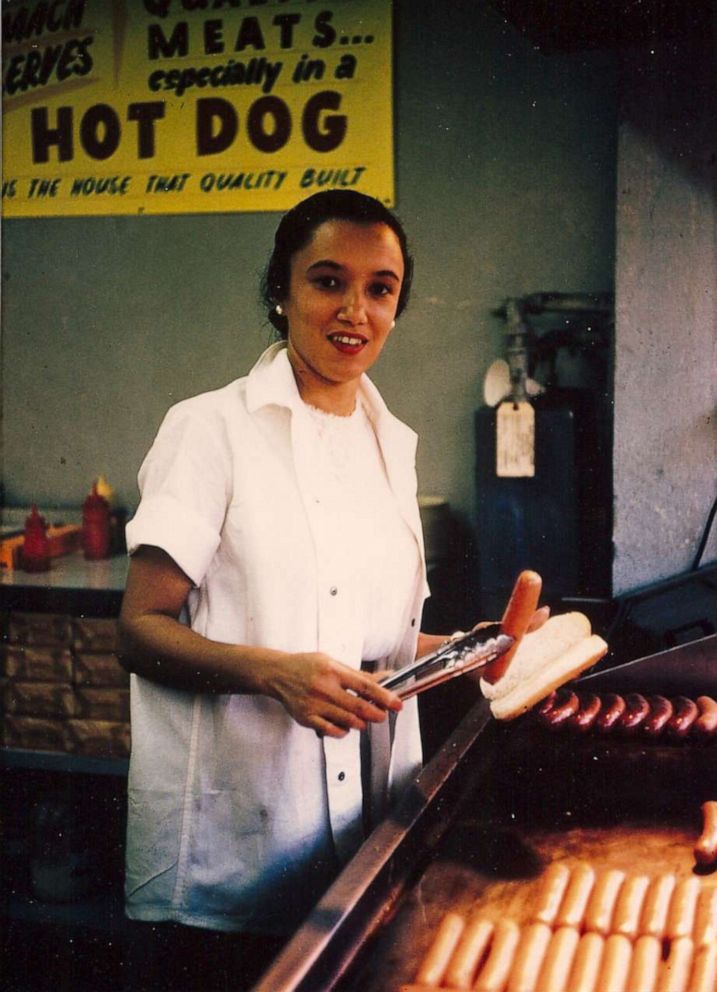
(318, 691)
(326, 695)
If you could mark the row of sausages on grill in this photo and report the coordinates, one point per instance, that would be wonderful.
(588, 932)
(534, 958)
(632, 713)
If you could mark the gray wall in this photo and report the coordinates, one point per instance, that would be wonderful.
(505, 181)
(665, 449)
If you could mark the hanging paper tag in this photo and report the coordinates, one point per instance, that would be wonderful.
(515, 440)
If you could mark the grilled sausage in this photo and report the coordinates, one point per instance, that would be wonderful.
(555, 882)
(704, 930)
(572, 907)
(656, 905)
(628, 909)
(435, 962)
(613, 707)
(706, 844)
(547, 704)
(468, 954)
(518, 614)
(686, 712)
(599, 911)
(661, 711)
(558, 961)
(588, 709)
(586, 965)
(615, 965)
(493, 976)
(565, 706)
(683, 905)
(644, 967)
(529, 957)
(675, 973)
(637, 709)
(706, 723)
(704, 970)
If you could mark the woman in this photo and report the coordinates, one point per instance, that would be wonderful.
(276, 568)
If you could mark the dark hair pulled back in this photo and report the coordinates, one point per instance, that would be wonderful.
(297, 227)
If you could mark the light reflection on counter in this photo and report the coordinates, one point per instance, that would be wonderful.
(73, 571)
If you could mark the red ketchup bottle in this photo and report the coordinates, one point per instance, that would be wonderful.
(35, 555)
(95, 526)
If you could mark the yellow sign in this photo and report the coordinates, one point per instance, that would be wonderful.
(193, 106)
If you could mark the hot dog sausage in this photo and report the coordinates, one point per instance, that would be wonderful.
(565, 706)
(555, 882)
(704, 970)
(661, 712)
(598, 914)
(529, 957)
(706, 723)
(636, 710)
(547, 704)
(468, 954)
(628, 909)
(613, 707)
(494, 973)
(588, 709)
(706, 844)
(586, 966)
(615, 965)
(681, 914)
(519, 612)
(686, 712)
(644, 967)
(705, 927)
(558, 961)
(577, 894)
(441, 950)
(675, 971)
(656, 905)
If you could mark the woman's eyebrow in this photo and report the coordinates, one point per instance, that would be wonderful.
(327, 263)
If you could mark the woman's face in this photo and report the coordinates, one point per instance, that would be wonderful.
(343, 293)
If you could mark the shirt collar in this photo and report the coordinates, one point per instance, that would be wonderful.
(271, 381)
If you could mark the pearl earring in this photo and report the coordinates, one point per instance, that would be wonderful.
(393, 324)
(279, 309)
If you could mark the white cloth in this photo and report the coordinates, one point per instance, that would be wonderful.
(236, 813)
(361, 521)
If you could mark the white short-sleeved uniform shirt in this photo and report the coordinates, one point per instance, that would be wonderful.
(238, 817)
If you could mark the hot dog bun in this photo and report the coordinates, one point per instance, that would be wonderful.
(546, 658)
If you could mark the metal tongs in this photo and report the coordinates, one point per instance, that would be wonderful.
(461, 654)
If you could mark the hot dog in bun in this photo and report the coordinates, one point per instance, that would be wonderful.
(544, 660)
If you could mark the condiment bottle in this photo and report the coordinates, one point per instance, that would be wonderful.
(95, 526)
(35, 555)
(117, 516)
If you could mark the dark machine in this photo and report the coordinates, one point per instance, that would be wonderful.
(554, 517)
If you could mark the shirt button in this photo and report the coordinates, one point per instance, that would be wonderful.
(333, 590)
(341, 776)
